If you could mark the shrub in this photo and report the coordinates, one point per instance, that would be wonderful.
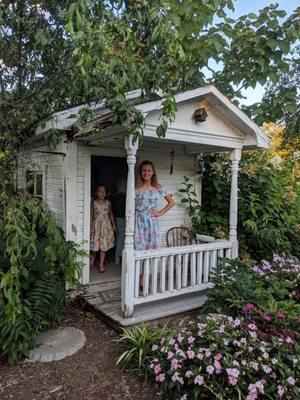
(271, 288)
(224, 358)
(268, 209)
(36, 264)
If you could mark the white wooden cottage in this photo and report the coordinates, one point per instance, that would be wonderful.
(66, 179)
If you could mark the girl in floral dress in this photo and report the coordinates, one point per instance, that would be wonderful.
(102, 227)
(147, 193)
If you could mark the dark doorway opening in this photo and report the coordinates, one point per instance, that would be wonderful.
(112, 173)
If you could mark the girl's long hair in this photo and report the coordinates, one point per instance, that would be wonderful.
(140, 179)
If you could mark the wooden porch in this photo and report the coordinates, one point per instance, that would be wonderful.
(175, 281)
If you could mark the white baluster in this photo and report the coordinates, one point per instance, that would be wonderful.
(178, 271)
(228, 253)
(199, 267)
(137, 277)
(163, 275)
(154, 275)
(146, 277)
(193, 270)
(213, 260)
(206, 266)
(171, 273)
(185, 269)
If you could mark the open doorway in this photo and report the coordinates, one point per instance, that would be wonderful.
(112, 173)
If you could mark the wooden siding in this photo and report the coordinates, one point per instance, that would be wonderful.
(52, 168)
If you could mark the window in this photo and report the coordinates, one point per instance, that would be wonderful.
(34, 183)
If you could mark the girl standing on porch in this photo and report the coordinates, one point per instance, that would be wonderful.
(102, 227)
(148, 191)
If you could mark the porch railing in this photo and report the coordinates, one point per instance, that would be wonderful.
(167, 272)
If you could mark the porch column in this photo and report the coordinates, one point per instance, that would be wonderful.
(235, 157)
(128, 262)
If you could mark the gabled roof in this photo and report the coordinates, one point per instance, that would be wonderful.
(66, 119)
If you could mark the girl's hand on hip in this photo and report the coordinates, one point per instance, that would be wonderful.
(156, 213)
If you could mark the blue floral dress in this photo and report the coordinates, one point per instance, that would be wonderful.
(146, 233)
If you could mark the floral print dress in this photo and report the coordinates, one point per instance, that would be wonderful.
(146, 232)
(103, 238)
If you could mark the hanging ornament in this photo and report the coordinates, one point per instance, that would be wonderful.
(172, 162)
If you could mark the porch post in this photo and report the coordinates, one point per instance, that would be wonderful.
(235, 157)
(128, 262)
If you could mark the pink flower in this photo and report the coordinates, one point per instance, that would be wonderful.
(252, 327)
(175, 364)
(280, 390)
(232, 380)
(172, 342)
(267, 318)
(198, 380)
(281, 314)
(154, 347)
(191, 340)
(218, 357)
(157, 369)
(160, 378)
(210, 369)
(190, 354)
(207, 353)
(184, 397)
(233, 372)
(253, 334)
(218, 367)
(250, 348)
(291, 381)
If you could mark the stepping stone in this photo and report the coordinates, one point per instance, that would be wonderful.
(57, 344)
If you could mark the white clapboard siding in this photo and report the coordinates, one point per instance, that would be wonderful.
(52, 168)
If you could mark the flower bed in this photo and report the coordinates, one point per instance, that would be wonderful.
(225, 358)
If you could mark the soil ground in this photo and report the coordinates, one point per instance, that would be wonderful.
(90, 374)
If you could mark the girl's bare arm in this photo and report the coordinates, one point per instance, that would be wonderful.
(111, 217)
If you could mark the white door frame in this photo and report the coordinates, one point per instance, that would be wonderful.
(88, 153)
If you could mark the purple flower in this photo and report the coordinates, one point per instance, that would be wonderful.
(191, 340)
(190, 354)
(210, 369)
(249, 306)
(280, 390)
(266, 265)
(266, 369)
(233, 372)
(291, 381)
(198, 380)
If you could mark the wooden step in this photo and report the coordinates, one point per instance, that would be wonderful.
(108, 307)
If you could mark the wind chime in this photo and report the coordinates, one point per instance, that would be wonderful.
(172, 162)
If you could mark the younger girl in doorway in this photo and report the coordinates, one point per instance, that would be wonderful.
(102, 227)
